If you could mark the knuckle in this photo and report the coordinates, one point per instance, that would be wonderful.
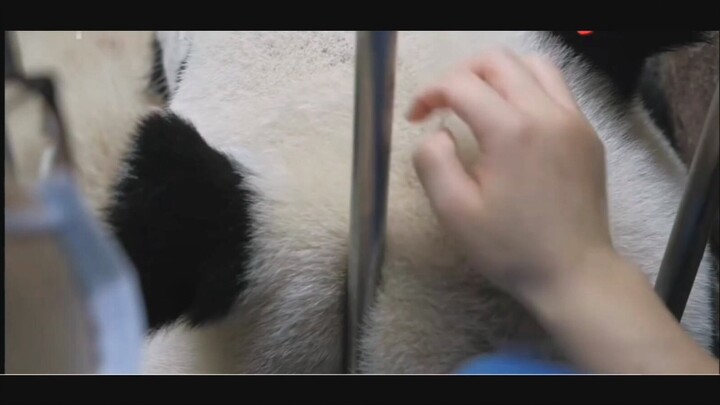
(521, 125)
(420, 156)
(447, 88)
(427, 152)
(493, 62)
(455, 203)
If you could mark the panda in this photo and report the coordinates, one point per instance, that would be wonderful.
(233, 202)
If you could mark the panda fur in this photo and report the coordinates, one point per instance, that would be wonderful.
(234, 202)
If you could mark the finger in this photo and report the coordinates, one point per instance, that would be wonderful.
(508, 75)
(451, 190)
(551, 79)
(473, 100)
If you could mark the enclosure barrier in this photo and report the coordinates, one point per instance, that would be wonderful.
(374, 94)
(695, 218)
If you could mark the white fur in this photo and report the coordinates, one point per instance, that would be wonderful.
(281, 103)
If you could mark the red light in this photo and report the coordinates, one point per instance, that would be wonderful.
(585, 33)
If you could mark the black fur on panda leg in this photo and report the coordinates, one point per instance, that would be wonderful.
(181, 213)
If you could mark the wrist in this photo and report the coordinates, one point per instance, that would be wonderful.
(575, 279)
(606, 316)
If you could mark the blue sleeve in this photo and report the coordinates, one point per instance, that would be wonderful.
(512, 363)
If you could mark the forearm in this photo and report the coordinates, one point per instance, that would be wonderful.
(611, 321)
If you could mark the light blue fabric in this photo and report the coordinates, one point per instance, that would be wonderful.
(513, 362)
(107, 279)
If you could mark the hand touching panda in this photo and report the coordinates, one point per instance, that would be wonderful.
(533, 217)
(541, 182)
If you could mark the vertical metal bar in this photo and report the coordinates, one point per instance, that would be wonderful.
(374, 94)
(696, 215)
(12, 69)
(13, 65)
(9, 158)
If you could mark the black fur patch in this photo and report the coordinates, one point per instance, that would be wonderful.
(182, 216)
(622, 54)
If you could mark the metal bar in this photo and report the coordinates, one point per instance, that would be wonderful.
(9, 158)
(61, 158)
(374, 94)
(696, 215)
(12, 67)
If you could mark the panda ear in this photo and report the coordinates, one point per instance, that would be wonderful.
(622, 54)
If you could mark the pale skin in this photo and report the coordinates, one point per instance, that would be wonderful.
(532, 216)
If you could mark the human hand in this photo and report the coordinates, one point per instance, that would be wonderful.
(533, 209)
